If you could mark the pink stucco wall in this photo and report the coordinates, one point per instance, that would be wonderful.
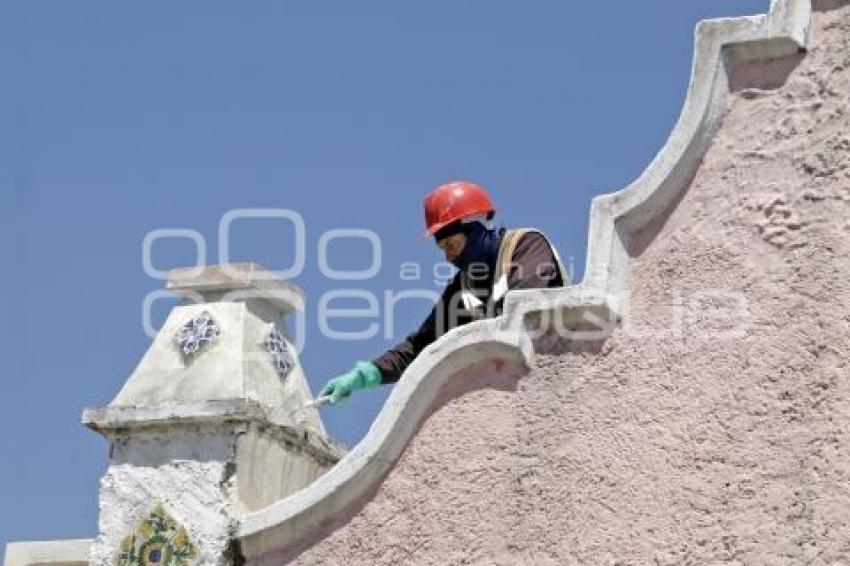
(714, 426)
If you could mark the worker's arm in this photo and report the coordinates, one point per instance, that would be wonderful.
(395, 360)
(389, 367)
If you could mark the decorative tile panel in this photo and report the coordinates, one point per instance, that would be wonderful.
(279, 349)
(159, 540)
(197, 333)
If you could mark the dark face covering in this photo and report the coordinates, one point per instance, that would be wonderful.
(482, 246)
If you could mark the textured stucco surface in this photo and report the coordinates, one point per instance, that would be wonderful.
(186, 472)
(713, 427)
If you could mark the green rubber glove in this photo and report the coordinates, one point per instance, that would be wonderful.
(365, 375)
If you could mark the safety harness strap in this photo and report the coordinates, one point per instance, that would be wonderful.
(506, 254)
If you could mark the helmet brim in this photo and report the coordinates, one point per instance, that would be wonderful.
(434, 228)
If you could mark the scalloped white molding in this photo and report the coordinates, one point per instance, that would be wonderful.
(614, 219)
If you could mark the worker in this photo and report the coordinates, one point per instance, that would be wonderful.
(489, 261)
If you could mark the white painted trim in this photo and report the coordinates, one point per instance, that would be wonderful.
(614, 218)
(51, 553)
(115, 421)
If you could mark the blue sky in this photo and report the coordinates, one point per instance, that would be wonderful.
(121, 118)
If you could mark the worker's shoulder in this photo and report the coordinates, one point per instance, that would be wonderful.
(531, 240)
(529, 234)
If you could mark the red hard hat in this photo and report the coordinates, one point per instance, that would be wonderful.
(455, 201)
